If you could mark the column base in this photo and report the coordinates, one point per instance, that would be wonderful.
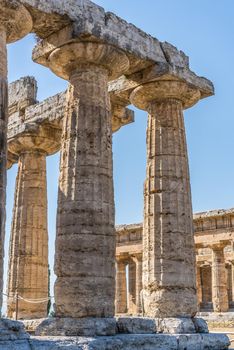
(85, 327)
(123, 342)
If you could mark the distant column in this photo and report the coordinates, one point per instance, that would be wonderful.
(132, 287)
(199, 285)
(219, 280)
(121, 287)
(138, 261)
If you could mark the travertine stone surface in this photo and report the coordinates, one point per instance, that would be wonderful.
(121, 287)
(28, 262)
(15, 22)
(169, 282)
(124, 342)
(198, 284)
(3, 148)
(25, 111)
(85, 242)
(219, 280)
(138, 261)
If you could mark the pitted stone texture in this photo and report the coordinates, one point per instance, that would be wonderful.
(3, 149)
(26, 115)
(87, 327)
(178, 325)
(85, 242)
(12, 330)
(15, 20)
(136, 325)
(28, 262)
(123, 342)
(219, 280)
(169, 282)
(22, 93)
(63, 61)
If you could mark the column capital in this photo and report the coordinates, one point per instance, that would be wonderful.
(144, 95)
(64, 60)
(43, 138)
(15, 20)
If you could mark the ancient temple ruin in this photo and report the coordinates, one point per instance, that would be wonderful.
(109, 65)
(214, 242)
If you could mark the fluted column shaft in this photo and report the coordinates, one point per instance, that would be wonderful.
(169, 258)
(138, 262)
(3, 148)
(121, 288)
(85, 243)
(28, 264)
(199, 286)
(219, 281)
(132, 287)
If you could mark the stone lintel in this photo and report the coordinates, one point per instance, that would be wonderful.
(213, 213)
(213, 244)
(204, 239)
(21, 94)
(26, 115)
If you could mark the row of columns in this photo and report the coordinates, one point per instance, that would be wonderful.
(128, 285)
(219, 280)
(85, 241)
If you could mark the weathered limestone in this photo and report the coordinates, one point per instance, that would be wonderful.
(121, 287)
(15, 23)
(219, 280)
(85, 243)
(211, 228)
(138, 261)
(168, 244)
(198, 285)
(28, 263)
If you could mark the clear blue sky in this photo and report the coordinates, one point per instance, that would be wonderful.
(204, 31)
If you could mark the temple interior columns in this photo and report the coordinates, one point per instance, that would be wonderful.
(219, 280)
(121, 286)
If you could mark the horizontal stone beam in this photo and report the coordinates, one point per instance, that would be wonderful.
(213, 238)
(62, 22)
(26, 114)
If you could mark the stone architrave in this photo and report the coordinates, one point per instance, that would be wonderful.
(121, 286)
(169, 275)
(15, 23)
(28, 253)
(219, 280)
(85, 241)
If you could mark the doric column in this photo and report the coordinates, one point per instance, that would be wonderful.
(219, 280)
(138, 261)
(169, 275)
(15, 22)
(85, 241)
(132, 287)
(198, 285)
(121, 287)
(28, 253)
